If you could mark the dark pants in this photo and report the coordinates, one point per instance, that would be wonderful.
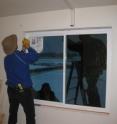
(26, 100)
(92, 91)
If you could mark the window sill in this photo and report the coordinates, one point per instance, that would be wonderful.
(71, 107)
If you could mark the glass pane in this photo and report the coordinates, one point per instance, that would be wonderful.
(47, 72)
(86, 69)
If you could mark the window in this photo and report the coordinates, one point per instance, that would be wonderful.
(73, 68)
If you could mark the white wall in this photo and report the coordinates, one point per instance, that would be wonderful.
(85, 17)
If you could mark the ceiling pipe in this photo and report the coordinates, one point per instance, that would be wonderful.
(72, 12)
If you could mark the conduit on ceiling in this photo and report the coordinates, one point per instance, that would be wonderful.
(72, 12)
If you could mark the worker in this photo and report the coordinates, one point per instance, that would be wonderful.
(19, 82)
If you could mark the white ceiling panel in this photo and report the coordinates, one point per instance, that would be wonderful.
(16, 7)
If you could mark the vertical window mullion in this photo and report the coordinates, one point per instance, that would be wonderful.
(64, 68)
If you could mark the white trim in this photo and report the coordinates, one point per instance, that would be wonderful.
(70, 106)
(109, 57)
(69, 29)
(64, 68)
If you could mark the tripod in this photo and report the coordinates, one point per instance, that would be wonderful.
(78, 66)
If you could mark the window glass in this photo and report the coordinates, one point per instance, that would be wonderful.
(47, 72)
(86, 69)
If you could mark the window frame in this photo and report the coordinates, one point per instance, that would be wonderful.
(64, 33)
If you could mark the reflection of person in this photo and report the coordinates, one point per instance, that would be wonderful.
(93, 61)
(18, 78)
(46, 93)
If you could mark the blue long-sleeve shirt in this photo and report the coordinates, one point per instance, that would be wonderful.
(17, 67)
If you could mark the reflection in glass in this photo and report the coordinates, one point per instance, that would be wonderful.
(86, 69)
(49, 69)
(46, 93)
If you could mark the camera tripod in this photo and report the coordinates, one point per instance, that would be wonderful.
(78, 66)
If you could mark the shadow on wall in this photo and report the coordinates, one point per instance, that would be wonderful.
(0, 94)
(1, 118)
(1, 114)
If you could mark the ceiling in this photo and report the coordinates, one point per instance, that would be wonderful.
(16, 7)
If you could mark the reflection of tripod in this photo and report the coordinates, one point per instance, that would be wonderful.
(77, 65)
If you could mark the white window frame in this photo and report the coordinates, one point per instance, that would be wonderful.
(78, 32)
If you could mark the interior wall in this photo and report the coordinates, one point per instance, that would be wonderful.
(84, 18)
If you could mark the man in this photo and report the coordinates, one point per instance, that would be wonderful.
(19, 82)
